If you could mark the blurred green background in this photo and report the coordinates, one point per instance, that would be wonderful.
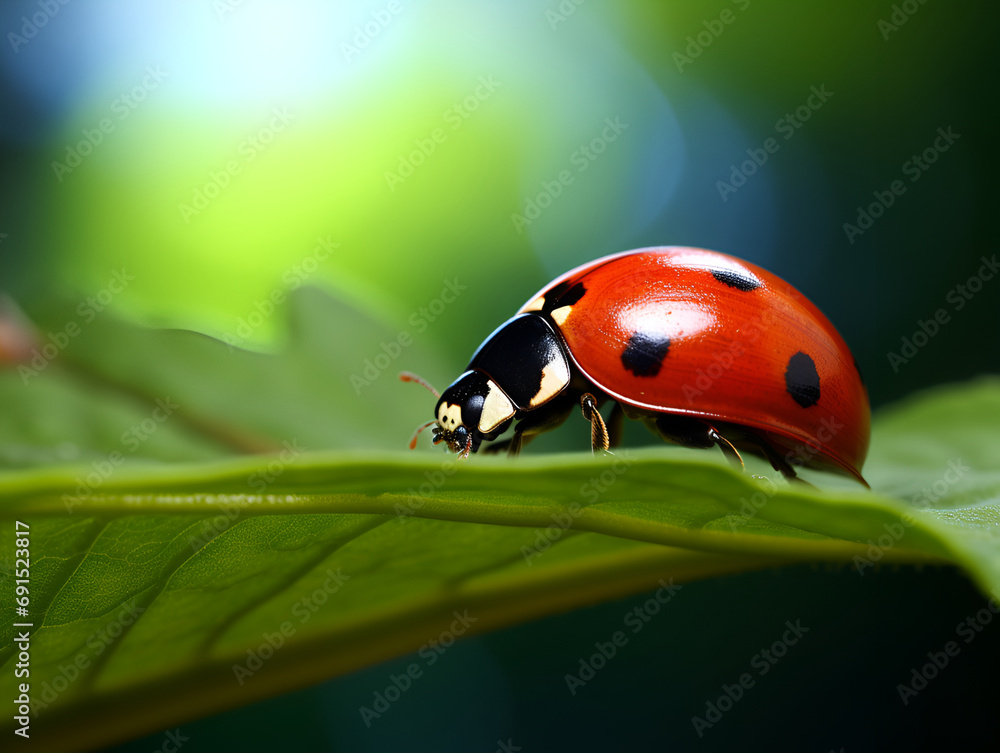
(218, 155)
(317, 106)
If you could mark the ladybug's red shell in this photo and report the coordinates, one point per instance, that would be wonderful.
(694, 332)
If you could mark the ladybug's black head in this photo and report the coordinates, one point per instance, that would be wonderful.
(472, 409)
(526, 357)
(458, 440)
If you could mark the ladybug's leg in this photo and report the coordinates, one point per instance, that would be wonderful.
(504, 445)
(687, 432)
(773, 456)
(777, 462)
(692, 432)
(494, 448)
(599, 439)
(536, 422)
(731, 453)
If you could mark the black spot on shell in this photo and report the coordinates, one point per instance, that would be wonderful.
(740, 280)
(802, 380)
(563, 295)
(644, 353)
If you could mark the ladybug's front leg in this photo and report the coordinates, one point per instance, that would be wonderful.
(535, 422)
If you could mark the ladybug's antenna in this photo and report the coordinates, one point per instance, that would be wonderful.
(413, 439)
(409, 376)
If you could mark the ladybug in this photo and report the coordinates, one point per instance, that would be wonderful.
(704, 348)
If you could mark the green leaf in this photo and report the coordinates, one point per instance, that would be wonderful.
(317, 389)
(160, 587)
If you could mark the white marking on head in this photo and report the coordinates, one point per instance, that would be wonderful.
(535, 305)
(449, 416)
(560, 314)
(497, 408)
(555, 378)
